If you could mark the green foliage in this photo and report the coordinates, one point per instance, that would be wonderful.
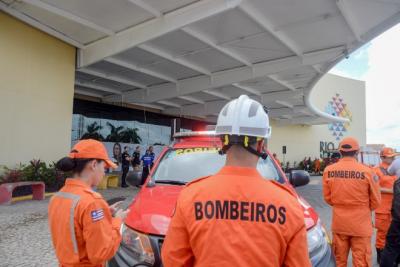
(36, 170)
(115, 133)
(11, 175)
(92, 132)
(130, 135)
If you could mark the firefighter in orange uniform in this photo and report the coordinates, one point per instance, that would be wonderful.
(352, 190)
(236, 217)
(83, 231)
(317, 166)
(382, 213)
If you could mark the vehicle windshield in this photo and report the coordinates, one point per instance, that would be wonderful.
(185, 165)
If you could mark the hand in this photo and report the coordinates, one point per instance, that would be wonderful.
(114, 207)
(122, 214)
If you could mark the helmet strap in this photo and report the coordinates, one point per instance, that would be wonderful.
(257, 152)
(227, 144)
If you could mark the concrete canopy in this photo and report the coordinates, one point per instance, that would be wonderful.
(188, 57)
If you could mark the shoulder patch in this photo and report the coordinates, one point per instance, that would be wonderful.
(197, 180)
(97, 215)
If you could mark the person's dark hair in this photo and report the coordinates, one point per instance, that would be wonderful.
(125, 147)
(348, 153)
(73, 165)
(137, 147)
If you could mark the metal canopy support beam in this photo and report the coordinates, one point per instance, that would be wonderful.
(217, 94)
(82, 91)
(134, 67)
(111, 77)
(227, 77)
(191, 99)
(284, 103)
(214, 107)
(13, 12)
(283, 83)
(169, 103)
(98, 87)
(152, 29)
(147, 7)
(69, 16)
(178, 60)
(346, 13)
(262, 20)
(247, 89)
(150, 106)
(207, 40)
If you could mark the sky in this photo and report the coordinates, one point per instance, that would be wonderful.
(378, 64)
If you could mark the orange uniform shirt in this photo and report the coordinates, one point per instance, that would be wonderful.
(385, 181)
(236, 218)
(352, 190)
(82, 228)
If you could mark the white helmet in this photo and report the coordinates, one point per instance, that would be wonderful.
(243, 117)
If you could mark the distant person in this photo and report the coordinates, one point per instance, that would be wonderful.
(136, 158)
(305, 163)
(382, 213)
(277, 160)
(317, 166)
(125, 166)
(147, 160)
(391, 253)
(151, 151)
(309, 162)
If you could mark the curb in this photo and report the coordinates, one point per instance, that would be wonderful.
(28, 197)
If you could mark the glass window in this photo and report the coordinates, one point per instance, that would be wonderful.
(187, 164)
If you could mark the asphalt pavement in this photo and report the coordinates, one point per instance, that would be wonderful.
(25, 238)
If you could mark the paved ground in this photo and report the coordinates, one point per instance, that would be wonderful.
(25, 238)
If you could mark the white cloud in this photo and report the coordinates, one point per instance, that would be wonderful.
(383, 89)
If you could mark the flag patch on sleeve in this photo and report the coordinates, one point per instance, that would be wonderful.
(97, 215)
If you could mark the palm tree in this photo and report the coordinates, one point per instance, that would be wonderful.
(92, 132)
(115, 133)
(130, 135)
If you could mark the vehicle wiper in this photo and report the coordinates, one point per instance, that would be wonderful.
(170, 182)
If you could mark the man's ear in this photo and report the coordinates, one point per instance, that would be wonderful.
(93, 164)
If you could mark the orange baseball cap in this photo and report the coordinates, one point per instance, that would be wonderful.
(349, 144)
(388, 152)
(91, 149)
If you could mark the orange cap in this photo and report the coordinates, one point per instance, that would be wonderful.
(349, 144)
(91, 149)
(388, 152)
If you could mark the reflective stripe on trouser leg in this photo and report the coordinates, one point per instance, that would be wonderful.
(75, 200)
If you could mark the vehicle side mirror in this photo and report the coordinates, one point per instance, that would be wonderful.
(299, 178)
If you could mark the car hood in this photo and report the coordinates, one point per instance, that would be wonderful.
(153, 207)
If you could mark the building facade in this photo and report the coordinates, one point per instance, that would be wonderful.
(37, 74)
(336, 95)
